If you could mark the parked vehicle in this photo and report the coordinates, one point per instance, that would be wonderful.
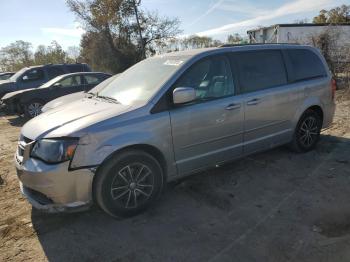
(171, 116)
(30, 101)
(6, 75)
(35, 76)
(64, 100)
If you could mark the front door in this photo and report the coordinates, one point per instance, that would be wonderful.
(209, 130)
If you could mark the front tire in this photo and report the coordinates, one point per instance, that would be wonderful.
(128, 183)
(307, 132)
(33, 108)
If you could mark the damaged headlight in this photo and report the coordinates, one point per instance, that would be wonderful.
(55, 150)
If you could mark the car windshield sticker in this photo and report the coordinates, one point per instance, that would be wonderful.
(173, 62)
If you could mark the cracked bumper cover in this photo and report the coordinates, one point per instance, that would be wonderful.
(53, 188)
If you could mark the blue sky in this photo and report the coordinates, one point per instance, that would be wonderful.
(41, 21)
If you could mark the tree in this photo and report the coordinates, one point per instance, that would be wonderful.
(234, 39)
(73, 53)
(340, 14)
(125, 28)
(16, 55)
(52, 54)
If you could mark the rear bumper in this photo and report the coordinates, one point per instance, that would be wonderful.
(53, 188)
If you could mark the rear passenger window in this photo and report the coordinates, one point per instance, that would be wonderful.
(305, 64)
(260, 70)
(55, 71)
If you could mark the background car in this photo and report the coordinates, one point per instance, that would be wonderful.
(63, 100)
(35, 76)
(6, 75)
(31, 101)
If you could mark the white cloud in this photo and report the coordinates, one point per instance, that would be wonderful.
(295, 7)
(74, 31)
(65, 36)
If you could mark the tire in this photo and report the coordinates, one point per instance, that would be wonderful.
(307, 132)
(33, 108)
(128, 183)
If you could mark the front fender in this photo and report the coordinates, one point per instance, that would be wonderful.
(94, 148)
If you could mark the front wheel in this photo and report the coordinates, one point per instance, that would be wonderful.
(33, 108)
(128, 183)
(307, 132)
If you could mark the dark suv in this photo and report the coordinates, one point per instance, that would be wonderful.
(35, 76)
(32, 100)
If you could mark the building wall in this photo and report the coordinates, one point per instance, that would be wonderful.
(300, 34)
(304, 35)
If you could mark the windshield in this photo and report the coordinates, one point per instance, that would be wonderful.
(139, 83)
(103, 84)
(18, 74)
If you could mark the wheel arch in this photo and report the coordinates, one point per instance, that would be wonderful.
(150, 149)
(313, 104)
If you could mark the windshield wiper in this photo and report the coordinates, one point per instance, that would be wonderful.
(108, 98)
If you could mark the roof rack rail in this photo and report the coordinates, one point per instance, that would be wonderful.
(233, 45)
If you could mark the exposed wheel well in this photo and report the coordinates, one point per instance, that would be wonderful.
(153, 151)
(318, 110)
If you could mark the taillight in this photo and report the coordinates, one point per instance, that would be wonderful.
(334, 88)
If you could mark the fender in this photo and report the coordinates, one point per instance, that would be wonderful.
(308, 102)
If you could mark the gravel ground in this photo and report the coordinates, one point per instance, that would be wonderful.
(272, 206)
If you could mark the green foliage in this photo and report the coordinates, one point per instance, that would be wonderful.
(16, 55)
(19, 54)
(340, 14)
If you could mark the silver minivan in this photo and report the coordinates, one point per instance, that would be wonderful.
(170, 116)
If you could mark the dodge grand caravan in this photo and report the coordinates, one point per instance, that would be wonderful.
(170, 116)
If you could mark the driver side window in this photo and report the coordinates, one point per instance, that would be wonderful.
(211, 78)
(33, 75)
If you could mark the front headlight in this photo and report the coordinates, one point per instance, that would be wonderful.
(55, 150)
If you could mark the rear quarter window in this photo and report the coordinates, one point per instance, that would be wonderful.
(54, 71)
(259, 70)
(305, 65)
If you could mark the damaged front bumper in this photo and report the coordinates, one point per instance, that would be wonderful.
(54, 188)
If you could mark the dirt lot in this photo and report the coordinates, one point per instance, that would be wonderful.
(273, 206)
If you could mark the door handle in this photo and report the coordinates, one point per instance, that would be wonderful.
(233, 106)
(253, 102)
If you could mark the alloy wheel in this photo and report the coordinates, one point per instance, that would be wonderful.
(34, 109)
(132, 185)
(308, 131)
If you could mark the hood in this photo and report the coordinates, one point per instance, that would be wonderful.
(63, 100)
(6, 86)
(66, 120)
(12, 94)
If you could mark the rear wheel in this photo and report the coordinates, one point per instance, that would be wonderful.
(307, 132)
(33, 108)
(128, 183)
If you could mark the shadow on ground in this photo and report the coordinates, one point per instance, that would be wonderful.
(273, 206)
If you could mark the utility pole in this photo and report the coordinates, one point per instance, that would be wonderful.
(142, 44)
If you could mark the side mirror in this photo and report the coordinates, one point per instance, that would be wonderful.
(57, 85)
(182, 95)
